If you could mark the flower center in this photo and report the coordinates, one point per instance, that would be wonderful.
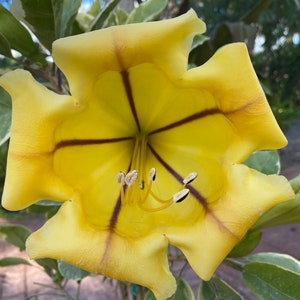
(136, 185)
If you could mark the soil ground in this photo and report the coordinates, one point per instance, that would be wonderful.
(21, 282)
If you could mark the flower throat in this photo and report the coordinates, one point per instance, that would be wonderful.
(136, 185)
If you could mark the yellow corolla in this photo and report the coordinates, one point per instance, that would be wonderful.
(143, 153)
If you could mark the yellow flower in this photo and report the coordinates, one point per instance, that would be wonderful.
(143, 154)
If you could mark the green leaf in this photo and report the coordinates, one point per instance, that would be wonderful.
(247, 244)
(38, 16)
(94, 8)
(51, 268)
(3, 156)
(217, 289)
(49, 203)
(46, 207)
(266, 161)
(295, 183)
(121, 16)
(15, 235)
(5, 116)
(198, 40)
(183, 292)
(284, 213)
(103, 15)
(71, 272)
(48, 20)
(48, 264)
(4, 46)
(271, 282)
(13, 261)
(147, 11)
(282, 260)
(42, 209)
(64, 16)
(18, 37)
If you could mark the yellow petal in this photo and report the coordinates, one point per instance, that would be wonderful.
(248, 195)
(229, 76)
(163, 43)
(36, 112)
(69, 237)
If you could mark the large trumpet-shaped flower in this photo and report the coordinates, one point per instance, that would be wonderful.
(143, 153)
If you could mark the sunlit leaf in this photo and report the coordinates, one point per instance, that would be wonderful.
(48, 20)
(94, 8)
(103, 15)
(18, 37)
(121, 16)
(38, 16)
(64, 16)
(147, 11)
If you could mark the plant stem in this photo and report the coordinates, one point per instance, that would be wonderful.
(234, 264)
(78, 289)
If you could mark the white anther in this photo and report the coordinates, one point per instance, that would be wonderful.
(152, 174)
(131, 177)
(121, 178)
(181, 195)
(191, 177)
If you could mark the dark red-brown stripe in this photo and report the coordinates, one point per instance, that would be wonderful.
(86, 142)
(115, 214)
(191, 118)
(128, 89)
(176, 175)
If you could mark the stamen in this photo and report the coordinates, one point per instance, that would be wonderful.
(142, 184)
(121, 178)
(181, 195)
(131, 177)
(128, 196)
(156, 208)
(152, 174)
(190, 178)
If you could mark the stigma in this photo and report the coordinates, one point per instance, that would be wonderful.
(133, 188)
